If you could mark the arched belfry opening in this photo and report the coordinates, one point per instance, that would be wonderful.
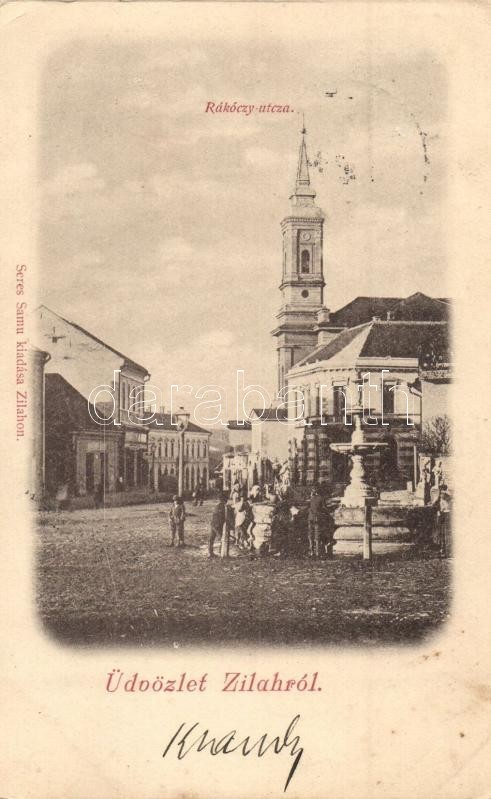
(305, 262)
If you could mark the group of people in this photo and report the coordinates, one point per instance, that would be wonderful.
(233, 517)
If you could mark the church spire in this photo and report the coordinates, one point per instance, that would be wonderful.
(303, 178)
(302, 183)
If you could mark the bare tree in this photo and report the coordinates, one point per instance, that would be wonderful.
(436, 438)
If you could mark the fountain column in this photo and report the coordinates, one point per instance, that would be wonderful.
(358, 489)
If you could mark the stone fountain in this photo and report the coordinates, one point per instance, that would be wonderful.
(391, 526)
(358, 490)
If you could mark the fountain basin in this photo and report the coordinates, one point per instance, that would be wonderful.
(395, 528)
(263, 515)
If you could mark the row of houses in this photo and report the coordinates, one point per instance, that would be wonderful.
(92, 427)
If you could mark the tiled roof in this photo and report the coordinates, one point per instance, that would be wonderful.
(326, 351)
(417, 307)
(406, 340)
(162, 421)
(363, 309)
(426, 341)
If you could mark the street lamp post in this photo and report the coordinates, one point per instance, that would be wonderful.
(182, 418)
(153, 447)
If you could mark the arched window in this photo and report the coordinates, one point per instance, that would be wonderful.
(172, 448)
(166, 450)
(204, 450)
(192, 450)
(305, 262)
(160, 449)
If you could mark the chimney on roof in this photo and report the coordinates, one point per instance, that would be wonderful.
(389, 316)
(323, 316)
(323, 321)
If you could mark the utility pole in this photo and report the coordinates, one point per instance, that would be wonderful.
(182, 417)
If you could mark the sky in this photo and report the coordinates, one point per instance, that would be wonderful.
(159, 224)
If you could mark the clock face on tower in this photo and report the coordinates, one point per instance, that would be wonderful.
(305, 236)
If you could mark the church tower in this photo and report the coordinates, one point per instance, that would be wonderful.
(302, 313)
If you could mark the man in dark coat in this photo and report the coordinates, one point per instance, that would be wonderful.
(217, 522)
(177, 517)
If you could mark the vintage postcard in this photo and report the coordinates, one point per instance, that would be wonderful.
(246, 450)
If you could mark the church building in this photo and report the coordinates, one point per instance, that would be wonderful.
(302, 316)
(323, 357)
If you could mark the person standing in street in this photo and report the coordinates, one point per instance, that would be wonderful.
(217, 523)
(198, 494)
(177, 516)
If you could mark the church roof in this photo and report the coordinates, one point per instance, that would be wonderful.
(416, 307)
(303, 190)
(406, 340)
(426, 341)
(303, 165)
(325, 351)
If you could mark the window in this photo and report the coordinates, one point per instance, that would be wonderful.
(305, 293)
(339, 401)
(388, 398)
(305, 262)
(172, 449)
(166, 451)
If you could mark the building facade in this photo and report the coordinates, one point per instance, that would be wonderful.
(111, 384)
(79, 454)
(37, 360)
(376, 370)
(163, 455)
(239, 434)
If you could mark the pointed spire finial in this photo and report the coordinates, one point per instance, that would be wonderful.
(304, 129)
(303, 178)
